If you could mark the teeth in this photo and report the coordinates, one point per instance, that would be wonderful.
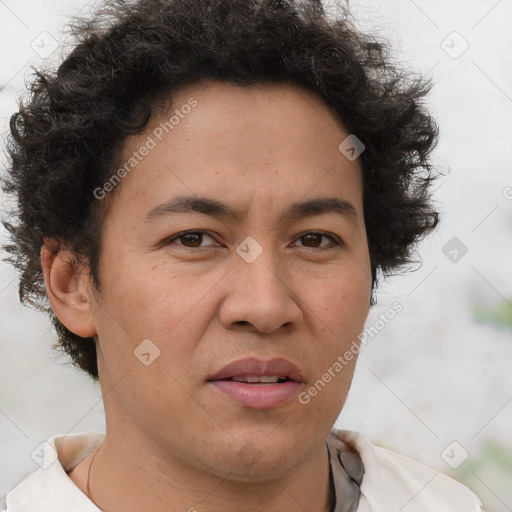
(263, 378)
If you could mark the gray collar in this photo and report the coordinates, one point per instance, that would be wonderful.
(345, 474)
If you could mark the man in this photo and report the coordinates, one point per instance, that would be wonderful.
(206, 194)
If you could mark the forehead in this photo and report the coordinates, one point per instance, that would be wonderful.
(268, 143)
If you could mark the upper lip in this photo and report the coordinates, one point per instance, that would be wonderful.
(252, 366)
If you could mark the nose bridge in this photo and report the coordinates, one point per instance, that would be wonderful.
(259, 293)
(259, 266)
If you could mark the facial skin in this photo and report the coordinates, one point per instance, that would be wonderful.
(173, 442)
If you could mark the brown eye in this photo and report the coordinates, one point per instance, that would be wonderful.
(190, 239)
(313, 240)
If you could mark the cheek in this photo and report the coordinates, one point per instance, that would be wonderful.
(343, 307)
(337, 310)
(343, 300)
(147, 298)
(169, 306)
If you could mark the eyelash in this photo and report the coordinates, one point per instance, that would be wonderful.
(336, 240)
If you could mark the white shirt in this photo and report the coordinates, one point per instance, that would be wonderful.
(391, 482)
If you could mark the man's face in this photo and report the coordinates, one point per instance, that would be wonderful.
(263, 285)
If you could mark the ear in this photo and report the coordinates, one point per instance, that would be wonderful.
(69, 291)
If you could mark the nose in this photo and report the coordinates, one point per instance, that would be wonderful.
(260, 294)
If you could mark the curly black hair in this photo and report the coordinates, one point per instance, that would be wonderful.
(131, 58)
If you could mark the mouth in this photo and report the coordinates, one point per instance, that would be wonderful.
(259, 379)
(258, 384)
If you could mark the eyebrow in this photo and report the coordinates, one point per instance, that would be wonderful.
(214, 208)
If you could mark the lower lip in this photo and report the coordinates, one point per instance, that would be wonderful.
(258, 396)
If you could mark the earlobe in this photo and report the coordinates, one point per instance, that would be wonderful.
(68, 291)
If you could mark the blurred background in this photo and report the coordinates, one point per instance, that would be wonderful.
(435, 382)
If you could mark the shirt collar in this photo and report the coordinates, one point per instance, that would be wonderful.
(346, 474)
(50, 489)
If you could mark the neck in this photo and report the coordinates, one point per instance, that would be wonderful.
(124, 479)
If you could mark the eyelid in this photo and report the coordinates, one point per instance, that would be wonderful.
(187, 232)
(334, 238)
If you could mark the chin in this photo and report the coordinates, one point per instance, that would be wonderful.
(259, 457)
(266, 468)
